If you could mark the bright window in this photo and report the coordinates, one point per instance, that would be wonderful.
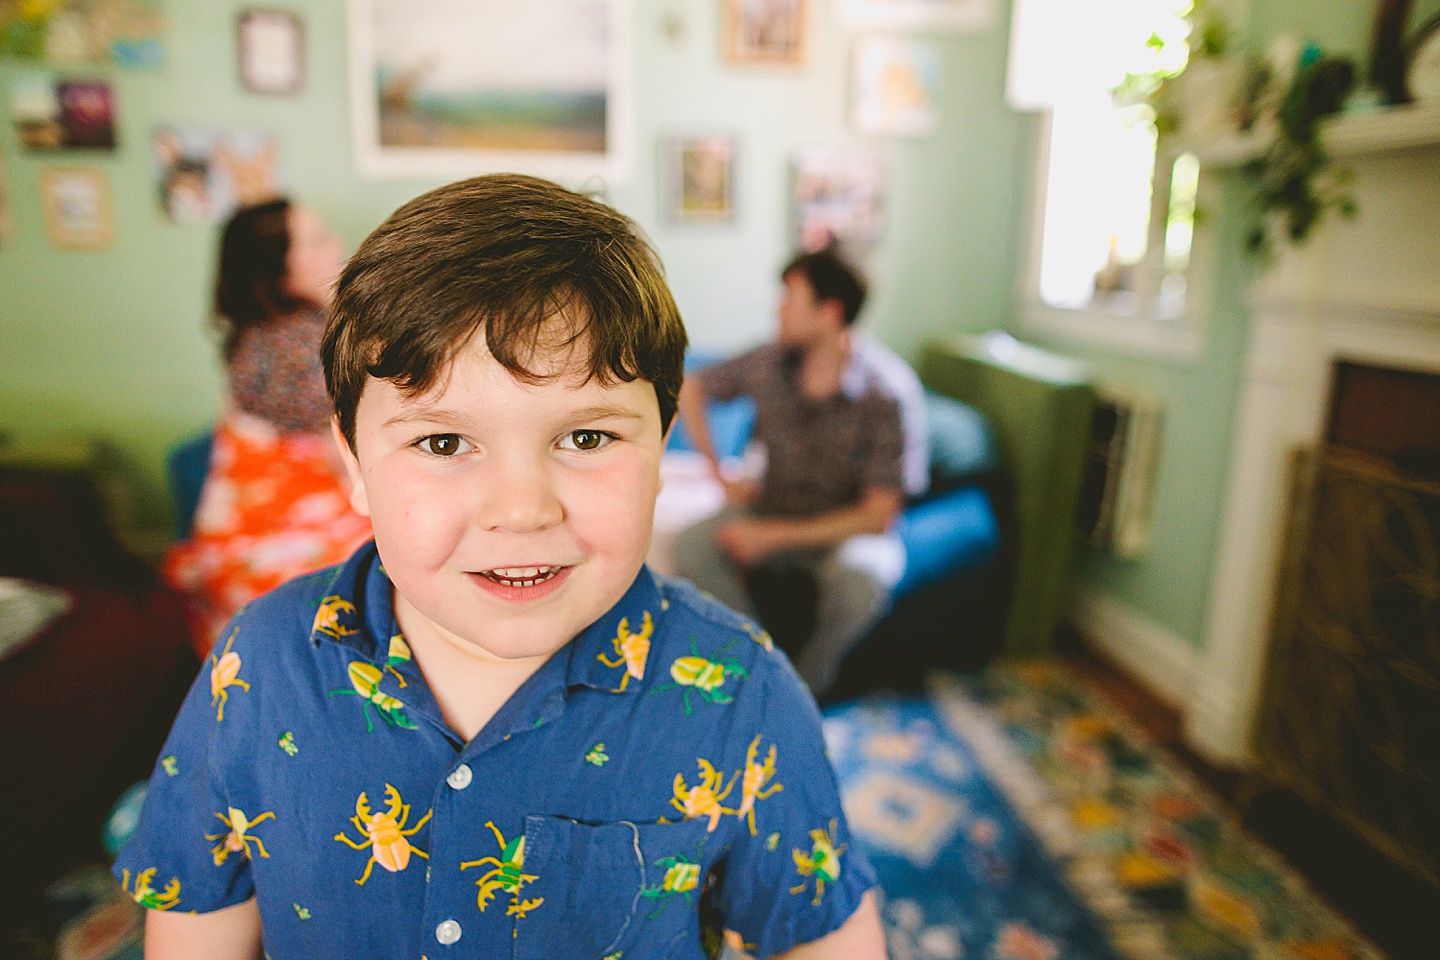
(1115, 221)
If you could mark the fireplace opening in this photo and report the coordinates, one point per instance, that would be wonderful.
(1388, 413)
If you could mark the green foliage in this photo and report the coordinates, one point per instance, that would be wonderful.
(1293, 178)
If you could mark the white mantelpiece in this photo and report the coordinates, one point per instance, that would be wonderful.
(1367, 291)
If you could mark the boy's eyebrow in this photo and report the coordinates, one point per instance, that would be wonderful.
(603, 411)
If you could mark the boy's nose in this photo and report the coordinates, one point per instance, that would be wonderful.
(518, 500)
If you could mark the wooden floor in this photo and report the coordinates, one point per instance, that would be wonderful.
(1397, 910)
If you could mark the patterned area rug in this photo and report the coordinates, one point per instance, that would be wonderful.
(1097, 831)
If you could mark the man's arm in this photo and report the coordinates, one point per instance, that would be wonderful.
(229, 934)
(859, 938)
(750, 541)
(691, 406)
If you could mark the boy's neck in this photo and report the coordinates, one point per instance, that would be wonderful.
(469, 685)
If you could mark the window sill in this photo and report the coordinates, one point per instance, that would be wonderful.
(1178, 341)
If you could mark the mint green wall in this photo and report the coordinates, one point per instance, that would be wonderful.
(1170, 584)
(115, 343)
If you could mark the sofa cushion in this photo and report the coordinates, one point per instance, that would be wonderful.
(962, 442)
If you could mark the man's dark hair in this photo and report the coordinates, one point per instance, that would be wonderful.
(250, 285)
(507, 254)
(831, 278)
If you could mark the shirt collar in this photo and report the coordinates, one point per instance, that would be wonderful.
(855, 378)
(613, 652)
(357, 611)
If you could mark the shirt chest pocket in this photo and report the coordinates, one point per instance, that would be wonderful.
(611, 888)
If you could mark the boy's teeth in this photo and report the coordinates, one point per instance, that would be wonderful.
(521, 576)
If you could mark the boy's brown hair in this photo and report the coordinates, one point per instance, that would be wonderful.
(506, 253)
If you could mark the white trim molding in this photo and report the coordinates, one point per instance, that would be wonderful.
(1159, 658)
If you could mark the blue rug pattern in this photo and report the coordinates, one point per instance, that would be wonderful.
(962, 875)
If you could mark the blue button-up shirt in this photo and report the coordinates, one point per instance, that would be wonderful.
(664, 765)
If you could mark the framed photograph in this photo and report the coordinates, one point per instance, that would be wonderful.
(76, 204)
(202, 175)
(458, 87)
(905, 15)
(272, 51)
(698, 174)
(127, 33)
(895, 85)
(764, 31)
(62, 114)
(837, 199)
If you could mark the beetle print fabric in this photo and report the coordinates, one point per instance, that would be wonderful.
(665, 765)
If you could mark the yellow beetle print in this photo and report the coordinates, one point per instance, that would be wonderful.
(752, 785)
(365, 678)
(509, 875)
(704, 676)
(327, 618)
(399, 653)
(702, 800)
(236, 841)
(225, 673)
(822, 862)
(145, 895)
(631, 649)
(384, 834)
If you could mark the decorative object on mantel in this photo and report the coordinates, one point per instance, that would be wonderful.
(1423, 62)
(1387, 50)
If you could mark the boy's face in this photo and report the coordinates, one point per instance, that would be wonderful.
(509, 515)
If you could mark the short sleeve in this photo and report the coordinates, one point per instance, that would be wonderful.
(797, 874)
(734, 377)
(884, 465)
(276, 375)
(177, 858)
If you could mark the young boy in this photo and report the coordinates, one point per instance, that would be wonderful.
(493, 732)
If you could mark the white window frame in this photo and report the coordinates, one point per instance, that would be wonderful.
(1142, 332)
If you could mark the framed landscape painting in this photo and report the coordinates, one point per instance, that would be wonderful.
(459, 87)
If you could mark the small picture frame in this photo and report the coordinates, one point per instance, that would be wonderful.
(698, 175)
(76, 204)
(765, 32)
(272, 52)
(895, 86)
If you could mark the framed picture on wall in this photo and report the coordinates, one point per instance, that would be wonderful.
(458, 87)
(203, 174)
(837, 199)
(76, 205)
(272, 51)
(958, 15)
(764, 31)
(698, 177)
(895, 85)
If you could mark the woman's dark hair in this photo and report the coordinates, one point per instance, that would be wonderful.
(250, 287)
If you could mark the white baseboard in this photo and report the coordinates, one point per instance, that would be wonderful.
(1157, 657)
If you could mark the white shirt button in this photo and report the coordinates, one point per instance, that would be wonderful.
(460, 777)
(448, 932)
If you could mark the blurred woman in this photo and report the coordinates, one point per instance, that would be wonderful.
(275, 503)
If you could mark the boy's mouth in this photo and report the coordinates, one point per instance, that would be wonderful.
(520, 576)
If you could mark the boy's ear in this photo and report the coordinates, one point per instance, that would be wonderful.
(358, 499)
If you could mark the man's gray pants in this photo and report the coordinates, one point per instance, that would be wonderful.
(853, 585)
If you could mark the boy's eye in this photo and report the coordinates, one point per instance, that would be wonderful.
(586, 440)
(441, 444)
